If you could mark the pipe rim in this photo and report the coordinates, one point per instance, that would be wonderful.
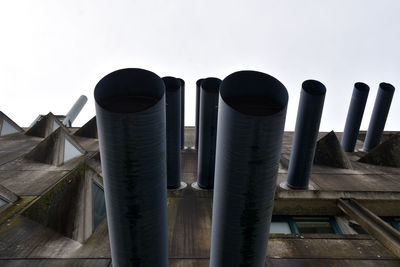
(362, 87)
(386, 87)
(121, 90)
(256, 87)
(211, 85)
(314, 87)
(181, 81)
(172, 84)
(198, 82)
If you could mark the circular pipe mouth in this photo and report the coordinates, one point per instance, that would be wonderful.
(362, 87)
(254, 93)
(198, 82)
(314, 87)
(171, 84)
(211, 84)
(129, 90)
(386, 87)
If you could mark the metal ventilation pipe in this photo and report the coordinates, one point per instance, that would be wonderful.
(379, 116)
(306, 133)
(209, 93)
(130, 113)
(182, 112)
(354, 116)
(173, 115)
(74, 111)
(198, 84)
(251, 119)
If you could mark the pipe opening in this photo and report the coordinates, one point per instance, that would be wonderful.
(314, 87)
(386, 87)
(361, 87)
(254, 93)
(129, 90)
(181, 81)
(211, 85)
(198, 82)
(171, 84)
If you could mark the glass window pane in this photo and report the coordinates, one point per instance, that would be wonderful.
(7, 129)
(314, 227)
(2, 202)
(70, 151)
(99, 206)
(280, 228)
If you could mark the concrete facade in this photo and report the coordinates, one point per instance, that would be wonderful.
(48, 216)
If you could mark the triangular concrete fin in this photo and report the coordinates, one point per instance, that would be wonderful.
(8, 126)
(56, 149)
(88, 130)
(45, 126)
(329, 152)
(385, 154)
(67, 207)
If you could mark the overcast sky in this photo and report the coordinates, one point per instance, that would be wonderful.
(51, 52)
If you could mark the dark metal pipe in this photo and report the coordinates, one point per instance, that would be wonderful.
(209, 93)
(251, 119)
(379, 116)
(306, 133)
(130, 113)
(354, 116)
(173, 115)
(182, 112)
(198, 84)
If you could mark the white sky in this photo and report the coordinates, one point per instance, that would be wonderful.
(51, 52)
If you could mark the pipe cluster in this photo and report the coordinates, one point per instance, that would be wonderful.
(239, 129)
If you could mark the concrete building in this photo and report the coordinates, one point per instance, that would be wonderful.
(52, 210)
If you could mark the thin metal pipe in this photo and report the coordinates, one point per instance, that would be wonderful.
(130, 114)
(251, 119)
(354, 116)
(309, 114)
(74, 111)
(182, 112)
(198, 84)
(209, 93)
(379, 116)
(173, 115)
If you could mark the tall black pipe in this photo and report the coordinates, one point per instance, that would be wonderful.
(209, 93)
(306, 133)
(198, 84)
(173, 115)
(182, 112)
(354, 116)
(130, 113)
(251, 119)
(379, 116)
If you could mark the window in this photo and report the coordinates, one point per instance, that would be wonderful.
(304, 225)
(70, 151)
(2, 203)
(393, 221)
(280, 228)
(99, 206)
